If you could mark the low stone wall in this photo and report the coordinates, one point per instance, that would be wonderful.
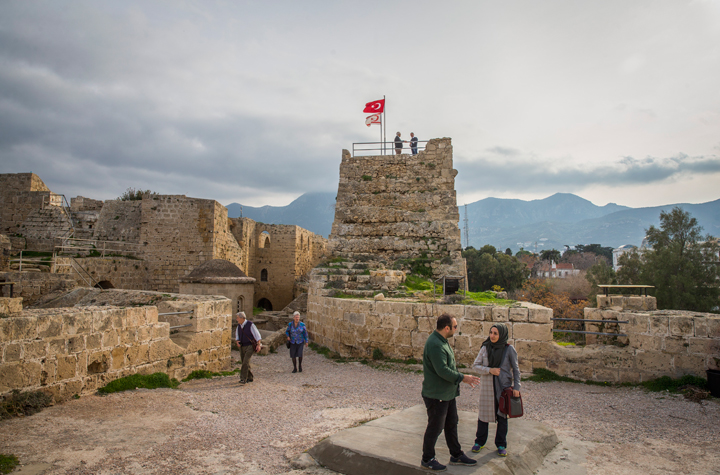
(659, 343)
(32, 286)
(399, 329)
(75, 350)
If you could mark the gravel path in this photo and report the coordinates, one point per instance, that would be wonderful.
(217, 426)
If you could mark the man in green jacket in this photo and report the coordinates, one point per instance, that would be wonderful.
(441, 385)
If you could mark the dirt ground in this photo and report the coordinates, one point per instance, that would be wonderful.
(220, 427)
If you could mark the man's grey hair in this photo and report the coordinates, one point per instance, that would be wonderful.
(296, 313)
(241, 314)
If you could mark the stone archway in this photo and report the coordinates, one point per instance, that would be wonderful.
(265, 304)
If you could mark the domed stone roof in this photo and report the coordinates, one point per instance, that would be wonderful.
(217, 271)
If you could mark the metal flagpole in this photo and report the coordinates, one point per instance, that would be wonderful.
(384, 124)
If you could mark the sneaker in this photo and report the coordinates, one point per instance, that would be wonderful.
(242, 381)
(462, 460)
(433, 465)
(502, 452)
(477, 448)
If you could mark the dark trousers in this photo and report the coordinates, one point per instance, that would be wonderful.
(500, 434)
(442, 415)
(246, 353)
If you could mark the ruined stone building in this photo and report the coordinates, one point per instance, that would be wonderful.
(400, 207)
(150, 244)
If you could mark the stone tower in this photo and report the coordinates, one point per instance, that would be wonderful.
(395, 207)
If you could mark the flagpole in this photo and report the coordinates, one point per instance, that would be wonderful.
(384, 124)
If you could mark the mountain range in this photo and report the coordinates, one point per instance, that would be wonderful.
(549, 223)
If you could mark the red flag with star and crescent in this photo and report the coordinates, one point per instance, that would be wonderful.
(375, 107)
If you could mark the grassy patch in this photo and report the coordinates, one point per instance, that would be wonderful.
(366, 178)
(486, 297)
(205, 374)
(135, 381)
(8, 463)
(19, 404)
(257, 310)
(666, 383)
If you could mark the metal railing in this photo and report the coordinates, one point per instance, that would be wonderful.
(384, 148)
(101, 247)
(588, 321)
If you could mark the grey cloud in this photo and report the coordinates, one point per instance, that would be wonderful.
(504, 151)
(529, 173)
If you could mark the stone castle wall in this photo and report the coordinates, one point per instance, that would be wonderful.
(32, 286)
(399, 207)
(659, 343)
(117, 221)
(44, 228)
(76, 350)
(20, 194)
(119, 272)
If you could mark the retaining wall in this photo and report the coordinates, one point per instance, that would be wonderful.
(75, 350)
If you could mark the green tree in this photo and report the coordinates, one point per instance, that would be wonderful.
(550, 254)
(599, 274)
(682, 264)
(487, 267)
(630, 269)
(131, 194)
(508, 251)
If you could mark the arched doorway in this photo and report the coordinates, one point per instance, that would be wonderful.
(265, 304)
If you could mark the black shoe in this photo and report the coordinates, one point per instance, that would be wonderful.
(294, 370)
(462, 460)
(433, 465)
(242, 381)
(300, 370)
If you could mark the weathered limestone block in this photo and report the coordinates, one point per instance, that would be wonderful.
(500, 314)
(689, 364)
(12, 352)
(418, 340)
(77, 323)
(10, 305)
(76, 344)
(455, 311)
(645, 342)
(35, 349)
(18, 328)
(704, 346)
(478, 313)
(532, 331)
(67, 367)
(470, 327)
(681, 326)
(518, 314)
(164, 349)
(637, 323)
(675, 345)
(652, 362)
(118, 358)
(659, 324)
(422, 309)
(540, 315)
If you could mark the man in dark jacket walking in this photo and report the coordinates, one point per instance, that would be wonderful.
(441, 385)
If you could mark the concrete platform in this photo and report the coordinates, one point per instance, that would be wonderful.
(393, 445)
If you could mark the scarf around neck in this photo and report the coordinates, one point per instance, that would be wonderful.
(495, 350)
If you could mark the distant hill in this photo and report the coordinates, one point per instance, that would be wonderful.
(552, 222)
(312, 211)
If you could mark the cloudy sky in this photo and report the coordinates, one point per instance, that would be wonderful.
(253, 102)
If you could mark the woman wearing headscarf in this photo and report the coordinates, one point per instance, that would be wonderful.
(496, 374)
(297, 335)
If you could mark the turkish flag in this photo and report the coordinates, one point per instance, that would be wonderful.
(372, 119)
(375, 107)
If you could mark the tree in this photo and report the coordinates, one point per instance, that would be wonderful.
(487, 267)
(508, 251)
(131, 194)
(682, 264)
(599, 274)
(581, 260)
(595, 249)
(550, 254)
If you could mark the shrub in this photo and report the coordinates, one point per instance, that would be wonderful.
(27, 403)
(366, 178)
(8, 463)
(377, 354)
(135, 381)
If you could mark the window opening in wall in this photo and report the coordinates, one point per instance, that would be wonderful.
(265, 304)
(263, 275)
(240, 304)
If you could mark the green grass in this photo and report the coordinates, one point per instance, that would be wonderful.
(134, 381)
(486, 297)
(19, 404)
(415, 283)
(8, 463)
(666, 383)
(257, 310)
(205, 374)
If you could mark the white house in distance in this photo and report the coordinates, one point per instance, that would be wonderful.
(556, 271)
(624, 249)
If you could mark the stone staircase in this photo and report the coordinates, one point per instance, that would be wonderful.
(356, 278)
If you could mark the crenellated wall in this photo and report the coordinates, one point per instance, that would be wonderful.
(75, 350)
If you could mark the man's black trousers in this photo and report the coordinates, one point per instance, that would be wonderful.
(442, 415)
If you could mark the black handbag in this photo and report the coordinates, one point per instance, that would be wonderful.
(287, 343)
